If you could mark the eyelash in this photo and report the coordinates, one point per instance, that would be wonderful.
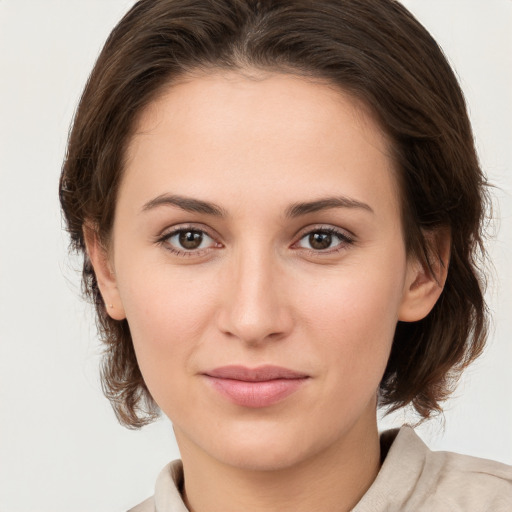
(344, 241)
(164, 241)
(344, 238)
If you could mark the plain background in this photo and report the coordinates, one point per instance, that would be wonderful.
(61, 448)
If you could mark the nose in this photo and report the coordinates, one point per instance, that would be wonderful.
(256, 306)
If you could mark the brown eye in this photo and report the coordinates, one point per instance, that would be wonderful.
(190, 239)
(320, 241)
(325, 240)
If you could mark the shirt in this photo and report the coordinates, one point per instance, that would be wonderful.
(412, 478)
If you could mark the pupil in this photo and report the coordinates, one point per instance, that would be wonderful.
(190, 239)
(320, 240)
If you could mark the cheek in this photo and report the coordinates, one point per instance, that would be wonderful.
(167, 312)
(354, 299)
(353, 319)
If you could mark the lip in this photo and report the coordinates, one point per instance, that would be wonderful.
(255, 387)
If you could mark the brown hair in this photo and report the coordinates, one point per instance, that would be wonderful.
(374, 49)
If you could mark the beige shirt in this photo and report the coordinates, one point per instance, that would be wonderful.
(411, 479)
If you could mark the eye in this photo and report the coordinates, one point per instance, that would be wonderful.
(188, 240)
(324, 240)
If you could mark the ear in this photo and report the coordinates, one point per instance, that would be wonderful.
(424, 281)
(105, 275)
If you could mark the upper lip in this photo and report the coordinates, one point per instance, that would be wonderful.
(259, 374)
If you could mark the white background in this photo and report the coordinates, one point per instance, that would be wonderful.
(60, 446)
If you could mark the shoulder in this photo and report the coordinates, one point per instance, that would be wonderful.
(414, 478)
(468, 483)
(146, 506)
(167, 497)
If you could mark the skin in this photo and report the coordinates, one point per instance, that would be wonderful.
(257, 291)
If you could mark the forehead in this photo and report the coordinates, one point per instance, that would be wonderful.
(258, 132)
(220, 97)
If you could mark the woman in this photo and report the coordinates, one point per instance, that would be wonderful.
(280, 210)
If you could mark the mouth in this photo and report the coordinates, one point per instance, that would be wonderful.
(255, 387)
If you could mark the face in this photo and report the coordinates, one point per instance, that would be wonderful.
(258, 256)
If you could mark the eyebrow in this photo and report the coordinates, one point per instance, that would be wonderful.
(185, 203)
(298, 209)
(295, 210)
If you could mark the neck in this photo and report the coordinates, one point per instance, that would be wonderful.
(332, 480)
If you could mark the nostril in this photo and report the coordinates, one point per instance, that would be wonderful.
(254, 308)
(253, 329)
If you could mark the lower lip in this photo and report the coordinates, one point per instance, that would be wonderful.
(256, 394)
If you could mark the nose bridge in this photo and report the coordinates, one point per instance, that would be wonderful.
(256, 307)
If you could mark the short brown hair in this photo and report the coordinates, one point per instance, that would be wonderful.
(373, 49)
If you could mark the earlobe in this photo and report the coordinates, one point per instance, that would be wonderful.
(424, 282)
(105, 275)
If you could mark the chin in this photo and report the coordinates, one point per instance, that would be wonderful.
(269, 447)
(263, 458)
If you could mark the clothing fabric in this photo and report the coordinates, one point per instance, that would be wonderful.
(412, 479)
